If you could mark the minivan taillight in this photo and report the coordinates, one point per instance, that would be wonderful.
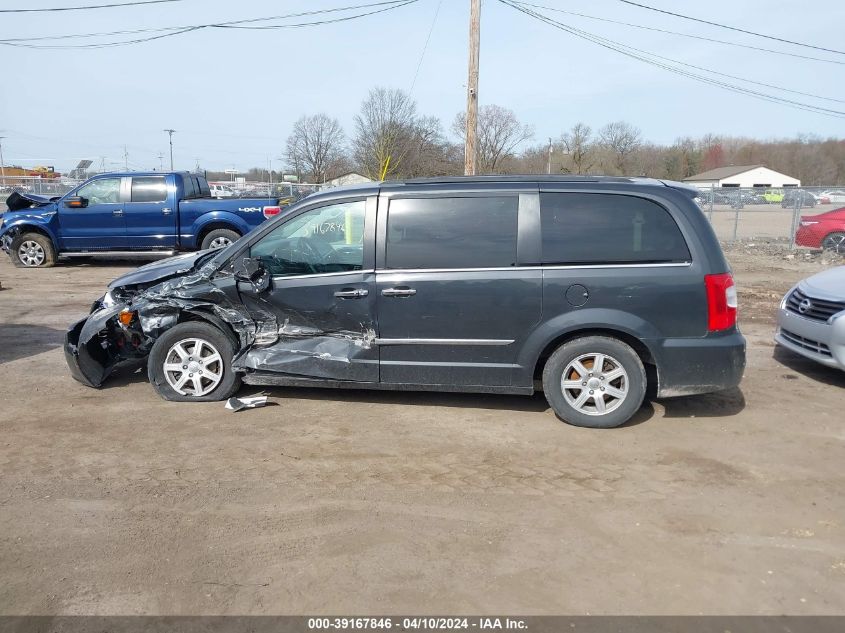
(269, 212)
(721, 301)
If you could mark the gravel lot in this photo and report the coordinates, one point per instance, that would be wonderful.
(113, 501)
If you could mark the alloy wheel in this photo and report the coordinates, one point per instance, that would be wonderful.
(193, 367)
(220, 242)
(31, 253)
(594, 384)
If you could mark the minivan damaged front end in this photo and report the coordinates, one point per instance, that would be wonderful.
(124, 324)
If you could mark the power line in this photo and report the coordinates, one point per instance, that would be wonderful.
(688, 35)
(732, 28)
(425, 47)
(715, 72)
(645, 56)
(93, 6)
(386, 5)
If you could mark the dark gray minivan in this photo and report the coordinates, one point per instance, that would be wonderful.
(591, 288)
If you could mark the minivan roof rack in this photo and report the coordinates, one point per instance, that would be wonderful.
(513, 178)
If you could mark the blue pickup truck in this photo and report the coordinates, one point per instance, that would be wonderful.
(138, 212)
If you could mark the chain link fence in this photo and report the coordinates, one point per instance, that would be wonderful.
(741, 214)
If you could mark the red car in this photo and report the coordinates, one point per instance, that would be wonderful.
(825, 230)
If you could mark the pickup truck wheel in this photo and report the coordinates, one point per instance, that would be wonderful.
(33, 250)
(192, 362)
(219, 238)
(594, 381)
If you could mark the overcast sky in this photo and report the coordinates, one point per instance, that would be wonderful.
(232, 95)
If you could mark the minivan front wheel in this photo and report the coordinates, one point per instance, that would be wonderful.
(594, 381)
(192, 362)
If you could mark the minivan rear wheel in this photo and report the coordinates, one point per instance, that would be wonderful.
(192, 362)
(594, 381)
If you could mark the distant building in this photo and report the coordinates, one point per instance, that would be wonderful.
(742, 176)
(351, 178)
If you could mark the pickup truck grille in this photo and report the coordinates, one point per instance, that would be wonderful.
(819, 309)
(806, 343)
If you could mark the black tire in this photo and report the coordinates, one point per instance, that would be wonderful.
(220, 236)
(46, 255)
(834, 242)
(617, 354)
(210, 335)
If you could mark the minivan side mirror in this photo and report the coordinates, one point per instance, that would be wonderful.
(252, 270)
(76, 202)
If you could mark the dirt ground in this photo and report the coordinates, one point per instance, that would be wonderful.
(113, 501)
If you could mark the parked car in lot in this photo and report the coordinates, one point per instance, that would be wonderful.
(835, 196)
(805, 199)
(825, 230)
(773, 196)
(811, 319)
(589, 288)
(126, 212)
(221, 191)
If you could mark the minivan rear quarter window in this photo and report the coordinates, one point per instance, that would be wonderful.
(452, 232)
(596, 228)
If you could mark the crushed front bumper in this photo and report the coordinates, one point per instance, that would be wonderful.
(86, 364)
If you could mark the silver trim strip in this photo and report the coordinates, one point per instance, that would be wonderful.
(312, 275)
(406, 271)
(443, 341)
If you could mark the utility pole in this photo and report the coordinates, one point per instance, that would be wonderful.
(471, 145)
(125, 159)
(550, 156)
(170, 134)
(2, 164)
(161, 161)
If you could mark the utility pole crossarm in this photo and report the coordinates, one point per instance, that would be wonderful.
(471, 146)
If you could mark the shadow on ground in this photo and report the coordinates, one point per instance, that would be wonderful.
(810, 369)
(22, 340)
(721, 404)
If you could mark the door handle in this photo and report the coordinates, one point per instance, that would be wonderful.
(398, 292)
(166, 211)
(117, 212)
(351, 293)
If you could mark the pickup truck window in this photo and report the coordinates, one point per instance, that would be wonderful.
(202, 187)
(101, 191)
(149, 189)
(189, 184)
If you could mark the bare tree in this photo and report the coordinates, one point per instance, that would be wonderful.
(383, 132)
(622, 139)
(579, 145)
(499, 134)
(315, 146)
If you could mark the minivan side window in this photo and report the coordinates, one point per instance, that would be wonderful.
(327, 239)
(597, 228)
(149, 189)
(477, 232)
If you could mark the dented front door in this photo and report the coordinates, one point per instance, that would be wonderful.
(320, 306)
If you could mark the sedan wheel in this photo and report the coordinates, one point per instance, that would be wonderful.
(835, 242)
(193, 367)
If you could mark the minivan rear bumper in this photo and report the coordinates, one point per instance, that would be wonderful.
(689, 366)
